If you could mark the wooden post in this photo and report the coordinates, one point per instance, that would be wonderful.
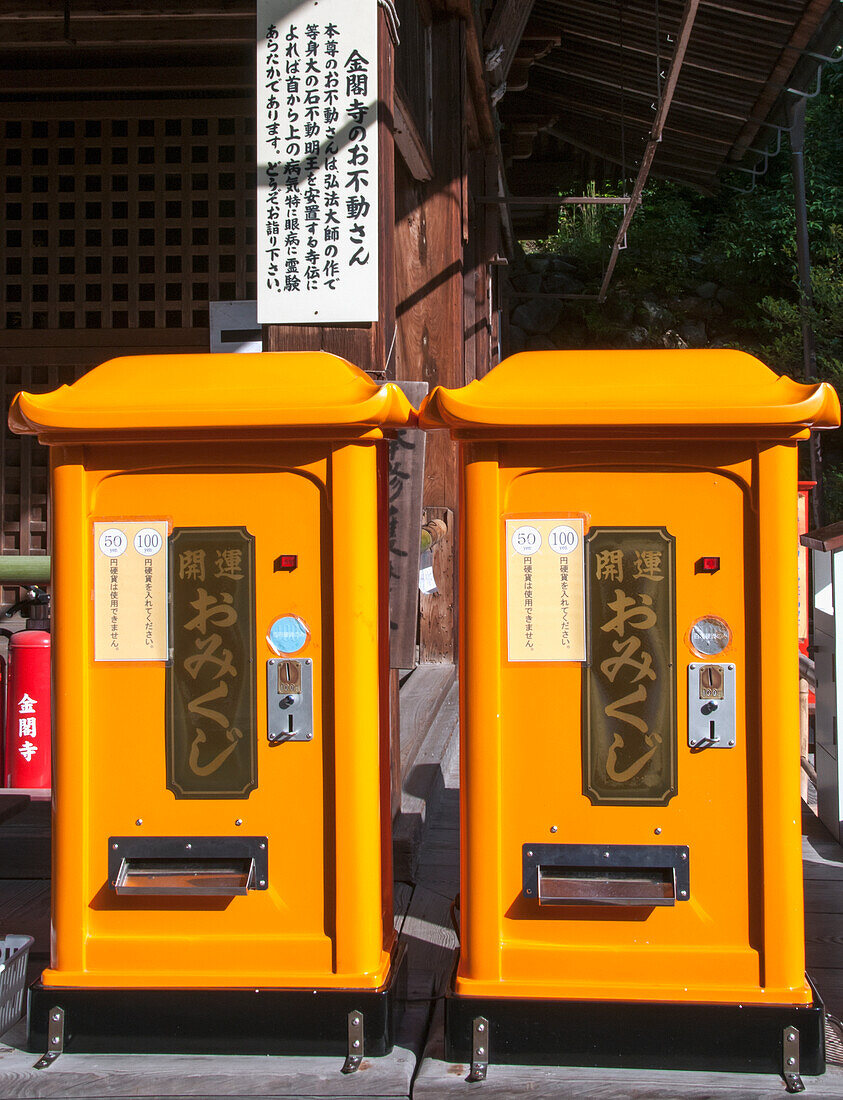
(430, 289)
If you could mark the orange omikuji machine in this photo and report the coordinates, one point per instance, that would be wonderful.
(221, 829)
(631, 886)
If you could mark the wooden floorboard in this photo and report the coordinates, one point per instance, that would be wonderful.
(165, 1077)
(822, 864)
(25, 908)
(25, 843)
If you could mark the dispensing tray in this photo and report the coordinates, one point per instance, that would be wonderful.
(218, 866)
(606, 874)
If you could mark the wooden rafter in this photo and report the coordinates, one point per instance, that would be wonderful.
(688, 16)
(504, 31)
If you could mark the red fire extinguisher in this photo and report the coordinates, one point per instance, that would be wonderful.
(28, 710)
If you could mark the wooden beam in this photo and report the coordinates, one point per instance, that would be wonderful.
(688, 16)
(409, 142)
(125, 9)
(646, 93)
(166, 31)
(505, 28)
(799, 39)
(476, 69)
(631, 47)
(554, 200)
(165, 78)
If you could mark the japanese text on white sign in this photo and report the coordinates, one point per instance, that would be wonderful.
(317, 148)
(130, 590)
(545, 590)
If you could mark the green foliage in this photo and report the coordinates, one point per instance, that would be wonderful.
(743, 242)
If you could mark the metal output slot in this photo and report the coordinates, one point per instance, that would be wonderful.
(218, 877)
(181, 866)
(620, 886)
(606, 874)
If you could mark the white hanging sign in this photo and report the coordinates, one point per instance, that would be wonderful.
(317, 150)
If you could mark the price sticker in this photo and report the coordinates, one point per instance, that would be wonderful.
(113, 542)
(148, 542)
(563, 539)
(526, 540)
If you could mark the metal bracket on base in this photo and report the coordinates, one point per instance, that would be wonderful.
(55, 1039)
(479, 1049)
(790, 1060)
(355, 1042)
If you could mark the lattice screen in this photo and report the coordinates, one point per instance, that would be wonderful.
(126, 222)
(125, 217)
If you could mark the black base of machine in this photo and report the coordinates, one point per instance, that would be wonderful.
(641, 1035)
(218, 1021)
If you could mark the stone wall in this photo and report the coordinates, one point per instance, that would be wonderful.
(539, 320)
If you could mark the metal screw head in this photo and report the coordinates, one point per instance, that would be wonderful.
(310, 737)
(791, 1037)
(188, 846)
(683, 893)
(529, 853)
(684, 855)
(481, 1027)
(481, 1050)
(606, 855)
(554, 828)
(262, 882)
(355, 1021)
(731, 744)
(356, 1044)
(657, 830)
(56, 1016)
(528, 891)
(139, 821)
(55, 1040)
(262, 845)
(731, 668)
(238, 821)
(791, 1061)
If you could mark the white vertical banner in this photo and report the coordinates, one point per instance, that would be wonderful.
(317, 151)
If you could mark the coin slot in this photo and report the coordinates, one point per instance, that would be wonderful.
(711, 682)
(289, 678)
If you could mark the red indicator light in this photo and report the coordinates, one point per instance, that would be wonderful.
(286, 563)
(707, 565)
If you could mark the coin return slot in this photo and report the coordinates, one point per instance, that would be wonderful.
(607, 886)
(194, 877)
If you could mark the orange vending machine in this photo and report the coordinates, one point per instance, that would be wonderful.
(631, 865)
(221, 831)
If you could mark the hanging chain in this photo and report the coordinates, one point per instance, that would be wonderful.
(659, 73)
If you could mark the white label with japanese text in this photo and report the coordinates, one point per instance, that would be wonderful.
(317, 161)
(130, 590)
(545, 589)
